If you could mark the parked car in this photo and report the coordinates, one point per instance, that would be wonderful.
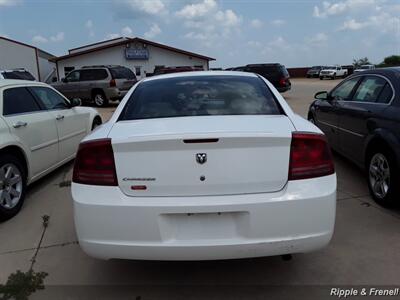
(314, 71)
(16, 74)
(98, 84)
(200, 166)
(274, 73)
(333, 72)
(169, 70)
(361, 118)
(364, 68)
(39, 131)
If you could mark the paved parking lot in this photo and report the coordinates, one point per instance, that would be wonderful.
(364, 249)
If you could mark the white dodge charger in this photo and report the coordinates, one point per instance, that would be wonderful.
(202, 166)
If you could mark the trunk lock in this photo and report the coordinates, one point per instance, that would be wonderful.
(202, 178)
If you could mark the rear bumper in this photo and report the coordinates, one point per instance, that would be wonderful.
(300, 218)
(284, 89)
(116, 94)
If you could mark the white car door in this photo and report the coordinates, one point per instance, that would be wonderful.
(71, 122)
(34, 127)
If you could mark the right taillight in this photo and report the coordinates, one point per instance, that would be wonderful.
(94, 163)
(113, 83)
(310, 156)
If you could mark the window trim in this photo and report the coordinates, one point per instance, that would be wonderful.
(39, 104)
(358, 84)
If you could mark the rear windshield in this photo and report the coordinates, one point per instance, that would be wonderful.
(122, 73)
(200, 96)
(24, 75)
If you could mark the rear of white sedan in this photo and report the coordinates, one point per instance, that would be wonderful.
(203, 166)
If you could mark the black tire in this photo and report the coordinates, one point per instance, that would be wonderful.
(8, 213)
(389, 197)
(99, 99)
(96, 122)
(334, 76)
(320, 78)
(345, 75)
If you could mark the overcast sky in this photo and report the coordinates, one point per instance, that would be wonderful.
(235, 32)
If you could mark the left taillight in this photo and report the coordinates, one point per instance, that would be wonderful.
(94, 164)
(282, 82)
(113, 83)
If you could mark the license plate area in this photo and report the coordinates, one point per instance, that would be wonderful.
(203, 226)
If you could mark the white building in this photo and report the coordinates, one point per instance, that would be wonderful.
(140, 55)
(14, 54)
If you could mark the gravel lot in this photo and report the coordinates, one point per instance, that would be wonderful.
(364, 249)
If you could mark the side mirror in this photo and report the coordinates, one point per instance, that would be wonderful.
(322, 96)
(64, 79)
(75, 102)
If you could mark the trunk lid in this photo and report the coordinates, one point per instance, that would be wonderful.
(244, 154)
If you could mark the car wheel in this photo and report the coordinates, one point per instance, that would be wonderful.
(382, 177)
(345, 75)
(100, 99)
(334, 76)
(321, 78)
(96, 123)
(12, 186)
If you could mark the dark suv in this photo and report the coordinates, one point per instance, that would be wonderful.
(274, 73)
(361, 119)
(314, 71)
(97, 83)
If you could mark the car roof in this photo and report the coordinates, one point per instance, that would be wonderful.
(15, 82)
(200, 73)
(383, 71)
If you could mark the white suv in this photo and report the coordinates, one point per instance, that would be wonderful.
(39, 131)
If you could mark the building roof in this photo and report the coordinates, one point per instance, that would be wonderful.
(26, 45)
(123, 42)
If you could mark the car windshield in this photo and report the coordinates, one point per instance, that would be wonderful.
(122, 73)
(330, 67)
(24, 75)
(200, 96)
(365, 67)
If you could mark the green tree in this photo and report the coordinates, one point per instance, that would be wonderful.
(362, 61)
(393, 60)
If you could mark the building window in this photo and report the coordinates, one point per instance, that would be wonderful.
(68, 69)
(138, 70)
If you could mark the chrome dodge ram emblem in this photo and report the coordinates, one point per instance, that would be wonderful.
(201, 158)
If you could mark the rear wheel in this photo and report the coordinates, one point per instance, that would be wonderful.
(334, 76)
(12, 186)
(99, 99)
(320, 78)
(382, 177)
